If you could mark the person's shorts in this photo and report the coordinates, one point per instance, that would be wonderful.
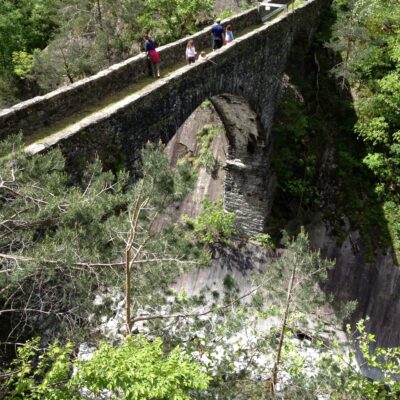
(154, 56)
(191, 60)
(217, 44)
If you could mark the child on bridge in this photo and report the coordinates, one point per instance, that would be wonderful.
(190, 52)
(228, 34)
(203, 56)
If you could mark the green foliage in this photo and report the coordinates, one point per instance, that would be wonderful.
(24, 26)
(311, 272)
(41, 374)
(245, 5)
(314, 139)
(138, 369)
(205, 138)
(205, 104)
(169, 20)
(339, 376)
(392, 215)
(92, 36)
(62, 242)
(387, 361)
(230, 283)
(294, 160)
(23, 63)
(264, 240)
(226, 14)
(366, 36)
(135, 369)
(213, 224)
(77, 38)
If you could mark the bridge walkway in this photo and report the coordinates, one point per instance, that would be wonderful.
(105, 103)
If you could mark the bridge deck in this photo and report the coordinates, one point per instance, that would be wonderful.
(58, 128)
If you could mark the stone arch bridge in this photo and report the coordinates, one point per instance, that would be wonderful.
(243, 80)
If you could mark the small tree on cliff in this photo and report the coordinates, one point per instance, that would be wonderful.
(304, 271)
(61, 243)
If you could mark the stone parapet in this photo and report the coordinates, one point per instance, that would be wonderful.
(41, 111)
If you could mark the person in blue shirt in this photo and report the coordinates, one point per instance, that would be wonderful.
(217, 31)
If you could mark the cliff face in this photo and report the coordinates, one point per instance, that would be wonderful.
(374, 285)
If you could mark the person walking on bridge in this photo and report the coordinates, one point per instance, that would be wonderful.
(150, 49)
(228, 34)
(190, 52)
(217, 31)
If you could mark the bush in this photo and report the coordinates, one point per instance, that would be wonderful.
(213, 224)
(135, 369)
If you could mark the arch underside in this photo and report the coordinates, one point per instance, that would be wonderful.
(249, 183)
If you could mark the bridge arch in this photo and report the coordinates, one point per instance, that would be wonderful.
(245, 182)
(243, 75)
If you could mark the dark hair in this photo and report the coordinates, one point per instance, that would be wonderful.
(229, 28)
(146, 36)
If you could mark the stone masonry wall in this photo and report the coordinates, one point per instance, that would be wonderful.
(41, 111)
(250, 68)
(249, 183)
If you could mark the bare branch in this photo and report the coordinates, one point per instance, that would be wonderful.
(196, 314)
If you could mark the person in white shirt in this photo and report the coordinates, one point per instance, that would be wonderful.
(228, 34)
(190, 52)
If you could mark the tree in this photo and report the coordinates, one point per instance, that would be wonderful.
(244, 354)
(61, 243)
(93, 35)
(169, 20)
(365, 35)
(25, 28)
(304, 271)
(25, 25)
(58, 42)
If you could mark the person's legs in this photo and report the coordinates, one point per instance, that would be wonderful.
(217, 44)
(155, 67)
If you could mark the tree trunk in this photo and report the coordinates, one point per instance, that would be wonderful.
(66, 66)
(346, 62)
(274, 379)
(99, 14)
(128, 293)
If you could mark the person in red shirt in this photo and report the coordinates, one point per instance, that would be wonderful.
(150, 49)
